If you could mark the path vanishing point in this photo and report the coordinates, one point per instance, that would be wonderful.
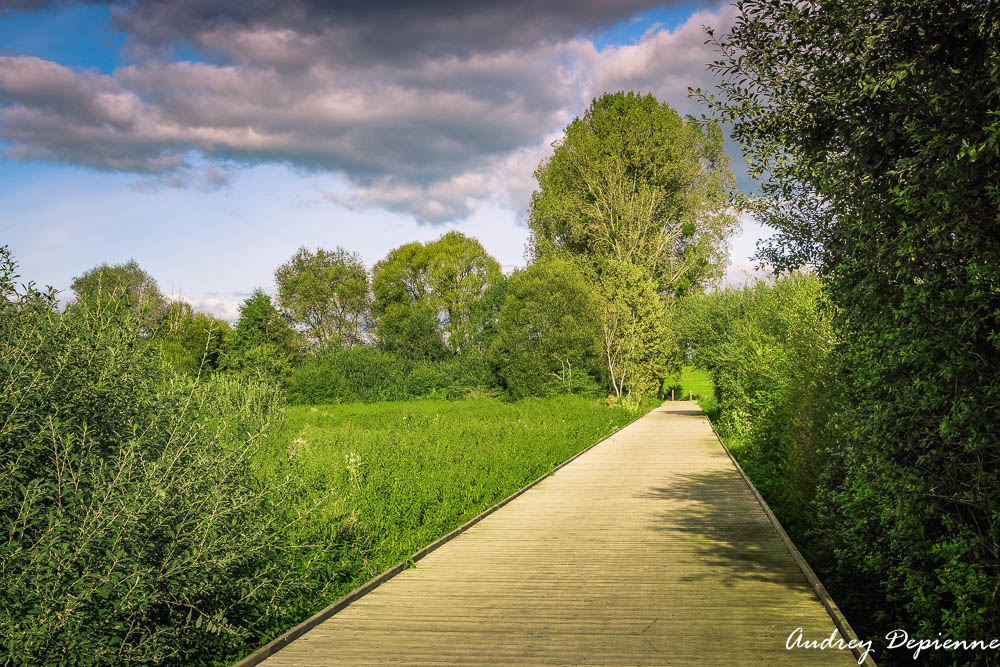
(650, 548)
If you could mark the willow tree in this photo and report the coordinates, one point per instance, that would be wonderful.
(642, 201)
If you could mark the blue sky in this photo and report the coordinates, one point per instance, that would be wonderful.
(210, 147)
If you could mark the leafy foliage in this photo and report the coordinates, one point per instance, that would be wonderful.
(411, 329)
(633, 183)
(368, 375)
(642, 202)
(638, 347)
(264, 344)
(136, 289)
(137, 529)
(874, 127)
(431, 299)
(192, 342)
(767, 348)
(549, 332)
(327, 294)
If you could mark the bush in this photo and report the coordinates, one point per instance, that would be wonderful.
(766, 347)
(873, 128)
(548, 332)
(369, 375)
(137, 528)
(355, 374)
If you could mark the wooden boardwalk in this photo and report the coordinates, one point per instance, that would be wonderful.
(649, 549)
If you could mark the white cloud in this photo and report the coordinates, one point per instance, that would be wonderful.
(434, 132)
(222, 308)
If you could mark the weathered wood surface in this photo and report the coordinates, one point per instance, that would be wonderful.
(649, 549)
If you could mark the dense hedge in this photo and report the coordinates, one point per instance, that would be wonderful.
(874, 128)
(368, 375)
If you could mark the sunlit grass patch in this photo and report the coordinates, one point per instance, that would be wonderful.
(690, 381)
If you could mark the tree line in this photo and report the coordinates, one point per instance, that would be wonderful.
(632, 210)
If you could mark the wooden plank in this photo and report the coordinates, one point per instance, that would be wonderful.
(650, 548)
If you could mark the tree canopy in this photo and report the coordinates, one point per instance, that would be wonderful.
(633, 182)
(327, 294)
(127, 282)
(430, 297)
(642, 202)
(549, 331)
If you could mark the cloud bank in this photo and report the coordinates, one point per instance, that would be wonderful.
(423, 111)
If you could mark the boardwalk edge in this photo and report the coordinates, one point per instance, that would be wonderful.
(275, 645)
(839, 620)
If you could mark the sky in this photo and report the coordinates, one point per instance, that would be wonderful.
(209, 139)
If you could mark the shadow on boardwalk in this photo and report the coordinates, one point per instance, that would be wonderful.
(733, 541)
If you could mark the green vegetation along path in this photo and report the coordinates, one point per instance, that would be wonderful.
(647, 549)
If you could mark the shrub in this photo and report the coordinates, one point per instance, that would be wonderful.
(369, 375)
(137, 529)
(348, 375)
(766, 347)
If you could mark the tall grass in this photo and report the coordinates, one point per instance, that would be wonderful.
(401, 474)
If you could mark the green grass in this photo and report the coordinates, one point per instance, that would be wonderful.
(691, 380)
(389, 478)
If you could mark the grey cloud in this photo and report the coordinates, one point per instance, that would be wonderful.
(208, 178)
(145, 117)
(464, 117)
(379, 30)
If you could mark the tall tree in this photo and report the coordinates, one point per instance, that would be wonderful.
(432, 297)
(327, 294)
(875, 130)
(632, 182)
(643, 202)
